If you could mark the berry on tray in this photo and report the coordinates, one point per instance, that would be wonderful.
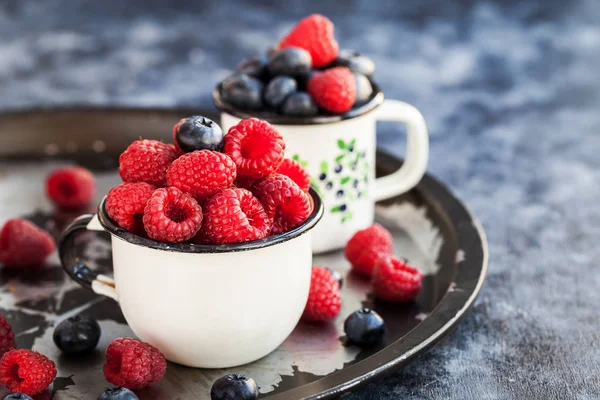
(7, 336)
(367, 246)
(364, 327)
(314, 34)
(253, 66)
(285, 203)
(172, 216)
(71, 187)
(357, 62)
(255, 147)
(22, 244)
(77, 335)
(291, 61)
(118, 393)
(202, 173)
(296, 172)
(364, 89)
(125, 205)
(395, 280)
(278, 90)
(324, 302)
(198, 133)
(299, 104)
(26, 371)
(334, 89)
(234, 387)
(146, 161)
(17, 396)
(232, 216)
(243, 91)
(133, 364)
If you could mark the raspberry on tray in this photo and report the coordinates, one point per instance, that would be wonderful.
(395, 280)
(71, 187)
(367, 246)
(35, 371)
(133, 364)
(23, 244)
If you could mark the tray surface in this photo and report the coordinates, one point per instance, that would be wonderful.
(431, 228)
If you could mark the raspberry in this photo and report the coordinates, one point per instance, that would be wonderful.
(367, 246)
(334, 89)
(296, 172)
(395, 280)
(26, 371)
(172, 216)
(202, 173)
(285, 203)
(233, 216)
(71, 187)
(125, 205)
(244, 183)
(22, 244)
(256, 148)
(146, 161)
(7, 336)
(324, 301)
(314, 34)
(133, 364)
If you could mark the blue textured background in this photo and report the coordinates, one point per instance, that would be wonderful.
(511, 94)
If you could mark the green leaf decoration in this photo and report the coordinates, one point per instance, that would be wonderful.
(345, 180)
(341, 144)
(335, 209)
(296, 157)
(352, 143)
(339, 158)
(357, 157)
(324, 167)
(347, 217)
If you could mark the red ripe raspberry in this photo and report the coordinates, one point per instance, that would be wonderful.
(22, 244)
(7, 336)
(125, 205)
(133, 364)
(395, 280)
(172, 216)
(256, 148)
(324, 301)
(232, 216)
(202, 173)
(367, 246)
(244, 183)
(296, 172)
(285, 203)
(26, 371)
(334, 89)
(146, 161)
(314, 34)
(71, 187)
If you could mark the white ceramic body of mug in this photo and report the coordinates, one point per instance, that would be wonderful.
(339, 152)
(203, 306)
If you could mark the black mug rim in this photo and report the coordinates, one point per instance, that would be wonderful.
(375, 101)
(111, 227)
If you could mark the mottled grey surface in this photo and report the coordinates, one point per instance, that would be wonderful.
(510, 91)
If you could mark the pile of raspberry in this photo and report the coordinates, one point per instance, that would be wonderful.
(305, 74)
(210, 188)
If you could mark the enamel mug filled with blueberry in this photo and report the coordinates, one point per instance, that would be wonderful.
(325, 104)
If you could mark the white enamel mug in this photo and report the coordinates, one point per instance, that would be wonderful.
(339, 152)
(200, 305)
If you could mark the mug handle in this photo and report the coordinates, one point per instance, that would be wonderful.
(76, 267)
(417, 150)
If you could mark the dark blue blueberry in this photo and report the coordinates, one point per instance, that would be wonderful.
(17, 396)
(351, 149)
(364, 327)
(329, 185)
(340, 193)
(118, 393)
(355, 61)
(322, 177)
(77, 335)
(255, 66)
(242, 91)
(338, 168)
(337, 276)
(343, 207)
(234, 387)
(364, 89)
(355, 184)
(291, 61)
(199, 133)
(279, 89)
(300, 104)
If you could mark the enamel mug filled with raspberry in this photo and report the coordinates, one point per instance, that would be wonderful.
(206, 306)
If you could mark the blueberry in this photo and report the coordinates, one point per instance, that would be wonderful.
(355, 184)
(340, 193)
(329, 185)
(17, 396)
(254, 66)
(199, 133)
(291, 61)
(77, 335)
(343, 207)
(338, 168)
(337, 276)
(279, 89)
(355, 61)
(242, 91)
(364, 89)
(234, 387)
(364, 327)
(300, 104)
(118, 393)
(322, 177)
